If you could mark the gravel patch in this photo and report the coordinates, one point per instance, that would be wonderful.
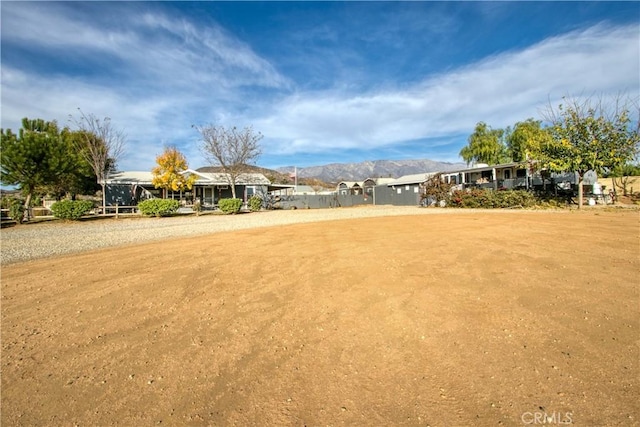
(41, 240)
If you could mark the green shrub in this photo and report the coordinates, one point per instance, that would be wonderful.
(16, 208)
(488, 199)
(158, 207)
(255, 203)
(230, 206)
(514, 199)
(71, 209)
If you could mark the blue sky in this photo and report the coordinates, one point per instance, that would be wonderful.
(324, 82)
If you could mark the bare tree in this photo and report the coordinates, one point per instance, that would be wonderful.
(101, 145)
(232, 149)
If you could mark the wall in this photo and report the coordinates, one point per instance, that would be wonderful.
(313, 201)
(633, 184)
(401, 195)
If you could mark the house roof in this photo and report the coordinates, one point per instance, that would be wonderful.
(385, 180)
(350, 184)
(302, 189)
(417, 178)
(130, 177)
(219, 178)
(204, 178)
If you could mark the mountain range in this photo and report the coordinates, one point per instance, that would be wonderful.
(336, 172)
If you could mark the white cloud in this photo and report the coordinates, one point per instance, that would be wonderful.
(158, 76)
(499, 90)
(165, 73)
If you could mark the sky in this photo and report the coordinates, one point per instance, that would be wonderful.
(323, 82)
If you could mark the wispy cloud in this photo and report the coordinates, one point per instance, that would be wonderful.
(499, 90)
(156, 73)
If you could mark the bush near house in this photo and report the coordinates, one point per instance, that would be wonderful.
(230, 206)
(16, 208)
(487, 199)
(71, 209)
(158, 207)
(255, 203)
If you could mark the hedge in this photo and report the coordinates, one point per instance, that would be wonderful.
(230, 206)
(255, 203)
(487, 199)
(158, 207)
(71, 209)
(16, 208)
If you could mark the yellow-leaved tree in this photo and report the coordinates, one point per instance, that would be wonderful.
(168, 174)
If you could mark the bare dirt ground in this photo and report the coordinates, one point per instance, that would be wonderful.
(475, 319)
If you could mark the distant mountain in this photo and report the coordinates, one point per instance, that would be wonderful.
(336, 172)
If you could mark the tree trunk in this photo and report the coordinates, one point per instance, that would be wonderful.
(26, 216)
(233, 188)
(104, 197)
(580, 190)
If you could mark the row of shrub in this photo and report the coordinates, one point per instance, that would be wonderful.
(158, 207)
(71, 209)
(488, 199)
(76, 209)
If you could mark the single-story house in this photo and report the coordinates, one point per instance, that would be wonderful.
(514, 176)
(129, 187)
(506, 175)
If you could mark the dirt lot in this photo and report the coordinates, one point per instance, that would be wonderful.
(475, 319)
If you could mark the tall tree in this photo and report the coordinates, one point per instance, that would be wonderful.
(232, 149)
(37, 159)
(77, 177)
(591, 134)
(168, 175)
(101, 145)
(525, 140)
(485, 145)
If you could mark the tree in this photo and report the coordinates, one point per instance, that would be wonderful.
(232, 149)
(621, 176)
(525, 140)
(76, 179)
(591, 134)
(38, 159)
(435, 190)
(100, 144)
(168, 174)
(485, 145)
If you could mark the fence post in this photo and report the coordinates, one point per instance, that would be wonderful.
(116, 210)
